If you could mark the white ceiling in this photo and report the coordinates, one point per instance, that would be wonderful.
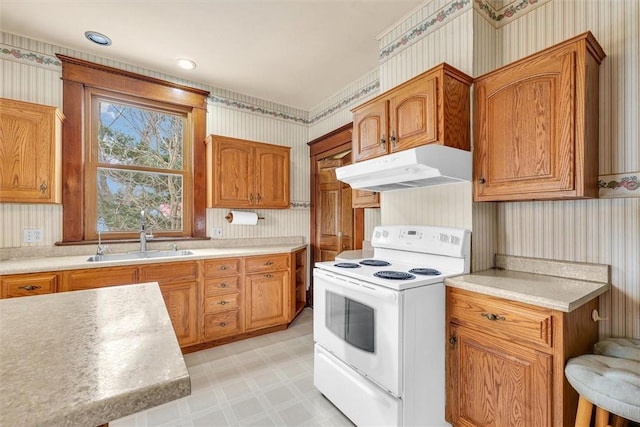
(293, 52)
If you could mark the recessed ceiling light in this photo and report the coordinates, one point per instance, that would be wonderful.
(185, 63)
(98, 38)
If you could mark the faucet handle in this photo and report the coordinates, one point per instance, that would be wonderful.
(173, 246)
(150, 235)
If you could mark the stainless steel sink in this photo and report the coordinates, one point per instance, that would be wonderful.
(138, 255)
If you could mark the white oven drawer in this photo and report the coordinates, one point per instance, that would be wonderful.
(360, 326)
(359, 399)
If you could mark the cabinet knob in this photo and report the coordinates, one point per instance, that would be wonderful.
(268, 263)
(259, 197)
(43, 187)
(223, 302)
(223, 285)
(453, 340)
(393, 138)
(29, 287)
(268, 276)
(223, 267)
(481, 181)
(383, 142)
(492, 317)
(222, 324)
(251, 197)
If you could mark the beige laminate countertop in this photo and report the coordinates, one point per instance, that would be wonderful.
(57, 263)
(565, 287)
(85, 358)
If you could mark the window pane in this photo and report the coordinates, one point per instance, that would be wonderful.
(130, 135)
(122, 194)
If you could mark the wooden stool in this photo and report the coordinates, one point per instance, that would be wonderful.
(611, 384)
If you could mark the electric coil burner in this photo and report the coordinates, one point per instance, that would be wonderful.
(375, 262)
(394, 275)
(346, 265)
(425, 271)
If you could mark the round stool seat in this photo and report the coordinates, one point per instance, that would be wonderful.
(610, 383)
(626, 348)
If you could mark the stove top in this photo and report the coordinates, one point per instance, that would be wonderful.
(406, 257)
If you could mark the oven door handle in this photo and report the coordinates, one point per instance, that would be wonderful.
(370, 290)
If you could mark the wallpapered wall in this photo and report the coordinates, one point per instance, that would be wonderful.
(475, 37)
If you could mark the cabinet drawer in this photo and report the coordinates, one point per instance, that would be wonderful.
(274, 262)
(222, 325)
(222, 267)
(221, 285)
(167, 273)
(29, 284)
(218, 303)
(502, 318)
(76, 280)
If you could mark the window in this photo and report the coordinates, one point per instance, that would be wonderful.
(139, 160)
(132, 143)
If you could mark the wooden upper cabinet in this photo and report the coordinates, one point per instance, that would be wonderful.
(30, 152)
(431, 108)
(536, 125)
(243, 174)
(365, 199)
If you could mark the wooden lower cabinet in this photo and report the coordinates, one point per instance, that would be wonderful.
(179, 284)
(223, 304)
(267, 299)
(21, 285)
(298, 282)
(505, 361)
(499, 383)
(92, 278)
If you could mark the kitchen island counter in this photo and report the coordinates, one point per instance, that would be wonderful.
(87, 357)
(557, 285)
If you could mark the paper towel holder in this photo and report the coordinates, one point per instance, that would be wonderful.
(229, 217)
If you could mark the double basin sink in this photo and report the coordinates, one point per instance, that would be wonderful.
(138, 255)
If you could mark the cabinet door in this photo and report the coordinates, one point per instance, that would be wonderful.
(92, 278)
(525, 130)
(272, 176)
(413, 114)
(20, 285)
(267, 299)
(370, 138)
(493, 382)
(233, 172)
(365, 199)
(181, 300)
(30, 152)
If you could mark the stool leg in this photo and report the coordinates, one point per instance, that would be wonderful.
(618, 421)
(602, 417)
(583, 415)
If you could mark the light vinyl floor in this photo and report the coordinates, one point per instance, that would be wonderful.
(261, 381)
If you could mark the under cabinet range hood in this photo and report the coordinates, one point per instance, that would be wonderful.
(431, 164)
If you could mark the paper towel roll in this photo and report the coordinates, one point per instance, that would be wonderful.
(244, 218)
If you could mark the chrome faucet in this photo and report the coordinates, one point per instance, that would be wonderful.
(143, 232)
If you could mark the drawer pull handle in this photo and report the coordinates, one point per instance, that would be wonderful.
(268, 263)
(222, 324)
(223, 267)
(268, 276)
(29, 287)
(223, 302)
(492, 316)
(223, 285)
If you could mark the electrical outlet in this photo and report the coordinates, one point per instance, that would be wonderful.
(216, 232)
(32, 235)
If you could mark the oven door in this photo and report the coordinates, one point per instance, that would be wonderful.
(360, 324)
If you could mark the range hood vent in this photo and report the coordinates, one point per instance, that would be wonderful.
(431, 164)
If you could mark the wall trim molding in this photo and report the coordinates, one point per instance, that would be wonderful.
(619, 185)
(427, 26)
(255, 109)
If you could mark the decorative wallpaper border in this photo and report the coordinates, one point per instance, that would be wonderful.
(619, 185)
(346, 101)
(514, 10)
(245, 106)
(23, 56)
(427, 26)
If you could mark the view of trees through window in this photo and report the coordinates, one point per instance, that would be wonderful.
(139, 167)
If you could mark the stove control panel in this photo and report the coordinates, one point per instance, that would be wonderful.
(448, 241)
